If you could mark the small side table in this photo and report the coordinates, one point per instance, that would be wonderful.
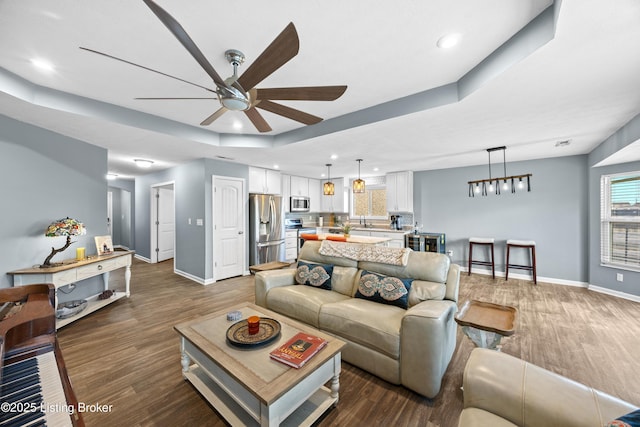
(486, 323)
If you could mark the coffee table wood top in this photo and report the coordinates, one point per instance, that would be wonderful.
(264, 377)
(488, 316)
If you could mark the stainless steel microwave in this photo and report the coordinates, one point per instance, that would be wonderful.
(300, 204)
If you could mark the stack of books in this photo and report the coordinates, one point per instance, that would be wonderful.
(298, 350)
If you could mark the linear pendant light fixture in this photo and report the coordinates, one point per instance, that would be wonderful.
(328, 189)
(490, 185)
(358, 184)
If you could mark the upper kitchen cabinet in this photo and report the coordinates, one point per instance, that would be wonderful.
(315, 191)
(286, 192)
(333, 203)
(264, 181)
(299, 186)
(400, 191)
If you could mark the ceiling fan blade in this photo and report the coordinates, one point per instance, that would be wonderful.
(288, 112)
(258, 121)
(311, 93)
(164, 99)
(145, 68)
(182, 36)
(279, 52)
(213, 117)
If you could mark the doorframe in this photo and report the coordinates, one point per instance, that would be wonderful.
(153, 218)
(245, 205)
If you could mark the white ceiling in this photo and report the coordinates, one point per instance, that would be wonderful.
(581, 85)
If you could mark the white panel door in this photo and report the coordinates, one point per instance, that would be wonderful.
(229, 224)
(166, 223)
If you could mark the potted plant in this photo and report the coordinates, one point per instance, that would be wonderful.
(346, 229)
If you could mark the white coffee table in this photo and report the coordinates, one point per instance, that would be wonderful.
(249, 388)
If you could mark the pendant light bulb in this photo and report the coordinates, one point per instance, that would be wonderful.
(358, 184)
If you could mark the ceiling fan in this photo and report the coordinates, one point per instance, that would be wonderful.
(238, 93)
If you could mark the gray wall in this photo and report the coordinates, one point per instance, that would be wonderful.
(192, 186)
(122, 216)
(45, 176)
(554, 214)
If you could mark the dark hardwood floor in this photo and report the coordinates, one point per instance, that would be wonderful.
(127, 355)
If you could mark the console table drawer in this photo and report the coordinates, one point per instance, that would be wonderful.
(97, 268)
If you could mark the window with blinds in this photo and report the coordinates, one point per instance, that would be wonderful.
(620, 220)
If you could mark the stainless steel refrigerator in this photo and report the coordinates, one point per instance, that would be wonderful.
(266, 229)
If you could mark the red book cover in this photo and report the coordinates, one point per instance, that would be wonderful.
(298, 350)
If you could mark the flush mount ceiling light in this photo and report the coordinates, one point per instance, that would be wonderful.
(358, 184)
(142, 163)
(448, 40)
(328, 189)
(491, 184)
(111, 176)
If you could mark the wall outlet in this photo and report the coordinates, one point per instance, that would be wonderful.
(619, 277)
(189, 221)
(450, 253)
(199, 222)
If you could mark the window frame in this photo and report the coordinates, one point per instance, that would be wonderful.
(607, 221)
(352, 213)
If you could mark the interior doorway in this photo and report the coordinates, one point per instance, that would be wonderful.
(162, 222)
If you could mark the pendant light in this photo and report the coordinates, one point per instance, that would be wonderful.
(328, 189)
(358, 184)
(495, 184)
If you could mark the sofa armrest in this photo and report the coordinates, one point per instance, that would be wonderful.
(453, 283)
(269, 279)
(528, 395)
(427, 342)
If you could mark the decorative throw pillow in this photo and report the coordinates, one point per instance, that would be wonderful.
(632, 419)
(316, 275)
(384, 289)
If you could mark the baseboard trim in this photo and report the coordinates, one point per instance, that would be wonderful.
(190, 276)
(611, 292)
(141, 258)
(521, 276)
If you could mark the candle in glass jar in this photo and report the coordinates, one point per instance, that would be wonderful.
(80, 254)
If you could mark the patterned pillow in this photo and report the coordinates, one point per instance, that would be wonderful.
(632, 419)
(384, 289)
(316, 275)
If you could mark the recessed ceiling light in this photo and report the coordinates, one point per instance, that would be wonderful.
(237, 124)
(334, 156)
(276, 166)
(142, 163)
(42, 64)
(111, 176)
(449, 40)
(376, 169)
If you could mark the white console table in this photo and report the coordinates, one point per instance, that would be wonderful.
(72, 271)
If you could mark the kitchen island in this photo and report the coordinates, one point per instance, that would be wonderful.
(367, 240)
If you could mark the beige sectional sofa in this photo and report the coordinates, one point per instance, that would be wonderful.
(410, 346)
(503, 391)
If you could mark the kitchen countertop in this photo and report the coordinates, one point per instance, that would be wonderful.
(358, 239)
(375, 229)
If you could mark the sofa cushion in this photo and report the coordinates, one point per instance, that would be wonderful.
(384, 289)
(316, 275)
(474, 417)
(428, 266)
(422, 291)
(302, 303)
(631, 419)
(373, 325)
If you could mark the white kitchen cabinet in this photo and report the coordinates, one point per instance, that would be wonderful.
(264, 181)
(291, 245)
(400, 191)
(315, 190)
(397, 239)
(286, 192)
(333, 203)
(299, 186)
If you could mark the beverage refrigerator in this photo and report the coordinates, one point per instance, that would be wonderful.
(266, 229)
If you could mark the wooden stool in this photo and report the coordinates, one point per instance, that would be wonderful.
(481, 241)
(526, 244)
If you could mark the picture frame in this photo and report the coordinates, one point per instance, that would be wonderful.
(104, 245)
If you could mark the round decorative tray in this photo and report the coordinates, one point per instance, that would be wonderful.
(238, 333)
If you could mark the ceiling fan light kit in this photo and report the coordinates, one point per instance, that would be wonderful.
(239, 93)
(490, 185)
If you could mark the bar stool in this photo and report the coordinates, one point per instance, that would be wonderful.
(481, 241)
(525, 244)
